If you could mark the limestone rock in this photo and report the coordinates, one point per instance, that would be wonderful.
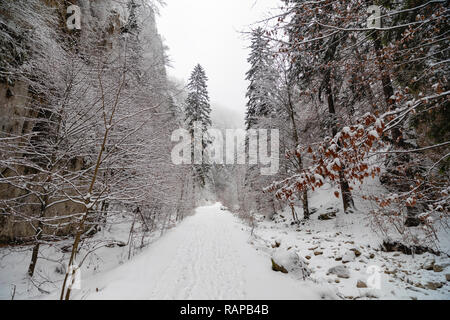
(348, 257)
(433, 285)
(290, 262)
(438, 268)
(428, 265)
(340, 271)
(361, 284)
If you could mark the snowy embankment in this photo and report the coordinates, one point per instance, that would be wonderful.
(347, 242)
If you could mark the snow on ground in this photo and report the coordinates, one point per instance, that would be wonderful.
(206, 257)
(212, 255)
(104, 254)
(329, 243)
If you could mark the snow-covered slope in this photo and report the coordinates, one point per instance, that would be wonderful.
(329, 243)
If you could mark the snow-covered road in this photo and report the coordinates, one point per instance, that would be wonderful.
(206, 257)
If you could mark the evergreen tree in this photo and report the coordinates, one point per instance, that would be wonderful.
(262, 77)
(198, 111)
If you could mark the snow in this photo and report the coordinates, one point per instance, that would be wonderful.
(212, 255)
(400, 276)
(207, 256)
(374, 134)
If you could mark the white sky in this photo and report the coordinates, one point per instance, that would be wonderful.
(207, 32)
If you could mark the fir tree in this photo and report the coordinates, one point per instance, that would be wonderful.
(198, 111)
(262, 79)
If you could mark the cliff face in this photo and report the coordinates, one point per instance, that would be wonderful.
(17, 122)
(25, 115)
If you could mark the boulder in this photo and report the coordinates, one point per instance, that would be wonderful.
(348, 256)
(428, 265)
(438, 268)
(433, 285)
(276, 267)
(340, 271)
(447, 276)
(327, 216)
(361, 284)
(290, 262)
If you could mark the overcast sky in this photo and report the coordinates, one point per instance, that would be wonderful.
(208, 32)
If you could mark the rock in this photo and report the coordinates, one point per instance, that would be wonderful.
(433, 285)
(308, 257)
(356, 251)
(340, 271)
(372, 255)
(428, 265)
(116, 244)
(338, 259)
(412, 222)
(438, 268)
(348, 257)
(317, 253)
(276, 244)
(278, 268)
(419, 285)
(447, 276)
(290, 262)
(327, 216)
(361, 284)
(394, 272)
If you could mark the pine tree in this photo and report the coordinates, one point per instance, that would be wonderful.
(262, 79)
(198, 111)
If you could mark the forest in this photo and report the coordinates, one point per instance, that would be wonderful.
(348, 102)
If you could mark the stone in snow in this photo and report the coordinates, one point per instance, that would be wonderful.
(348, 256)
(290, 262)
(361, 284)
(341, 271)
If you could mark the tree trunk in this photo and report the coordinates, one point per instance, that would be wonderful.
(34, 255)
(38, 236)
(388, 91)
(299, 157)
(347, 198)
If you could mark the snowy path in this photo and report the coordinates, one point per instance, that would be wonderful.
(205, 257)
